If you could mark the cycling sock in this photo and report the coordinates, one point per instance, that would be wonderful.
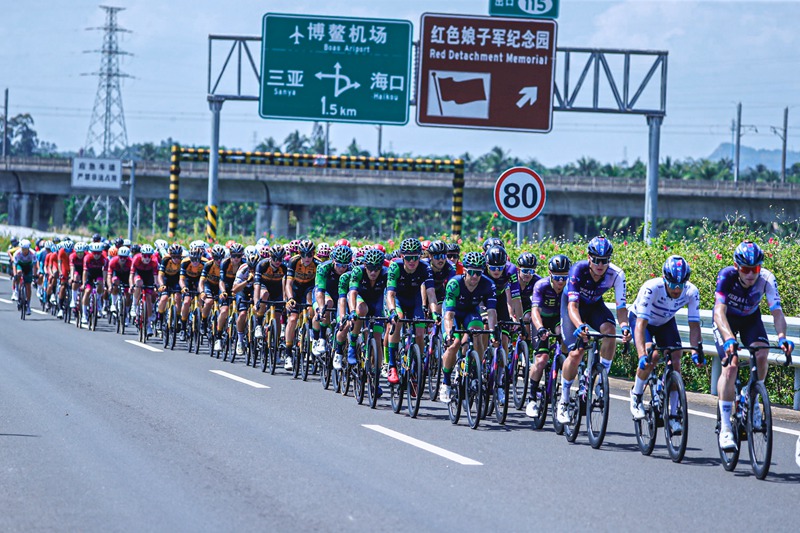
(353, 338)
(638, 385)
(534, 388)
(565, 385)
(324, 329)
(392, 352)
(386, 353)
(725, 409)
(446, 372)
(673, 403)
(260, 320)
(241, 335)
(315, 333)
(85, 310)
(606, 364)
(338, 346)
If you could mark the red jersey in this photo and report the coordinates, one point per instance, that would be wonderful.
(92, 262)
(51, 262)
(139, 267)
(120, 266)
(64, 262)
(76, 262)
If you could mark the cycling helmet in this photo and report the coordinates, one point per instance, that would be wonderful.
(251, 256)
(105, 245)
(341, 242)
(196, 243)
(48, 245)
(676, 269)
(526, 260)
(56, 240)
(342, 254)
(748, 254)
(236, 249)
(80, 247)
(124, 251)
(437, 247)
(195, 252)
(14, 241)
(127, 242)
(373, 258)
(358, 261)
(425, 245)
(410, 246)
(25, 244)
(68, 246)
(175, 249)
(475, 260)
(262, 242)
(250, 248)
(496, 256)
(135, 249)
(396, 254)
(453, 248)
(147, 250)
(96, 248)
(97, 237)
(218, 252)
(600, 247)
(324, 250)
(492, 241)
(559, 263)
(119, 242)
(306, 247)
(294, 246)
(277, 252)
(380, 247)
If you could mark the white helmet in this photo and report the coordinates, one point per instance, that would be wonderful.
(262, 242)
(25, 244)
(96, 247)
(80, 247)
(124, 251)
(159, 244)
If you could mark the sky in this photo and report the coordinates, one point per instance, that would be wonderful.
(720, 53)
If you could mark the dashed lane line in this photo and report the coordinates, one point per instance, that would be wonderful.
(460, 459)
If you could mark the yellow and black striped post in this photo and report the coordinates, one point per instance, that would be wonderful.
(211, 223)
(458, 197)
(174, 180)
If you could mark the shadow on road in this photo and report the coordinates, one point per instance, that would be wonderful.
(18, 435)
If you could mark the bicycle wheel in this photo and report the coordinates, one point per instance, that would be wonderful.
(398, 389)
(555, 393)
(308, 357)
(597, 408)
(759, 435)
(373, 370)
(415, 380)
(198, 331)
(327, 366)
(21, 293)
(360, 377)
(645, 429)
(434, 368)
(574, 408)
(520, 374)
(297, 352)
(274, 340)
(473, 390)
(540, 400)
(345, 377)
(456, 393)
(677, 439)
(190, 327)
(729, 457)
(501, 387)
(173, 326)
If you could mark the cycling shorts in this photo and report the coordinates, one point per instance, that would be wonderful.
(665, 335)
(595, 314)
(750, 329)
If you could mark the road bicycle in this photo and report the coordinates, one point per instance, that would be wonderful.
(495, 383)
(142, 315)
(432, 360)
(272, 347)
(661, 407)
(22, 295)
(366, 373)
(169, 321)
(751, 419)
(549, 392)
(410, 370)
(93, 308)
(466, 390)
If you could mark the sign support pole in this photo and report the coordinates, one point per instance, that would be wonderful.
(215, 104)
(519, 233)
(651, 198)
(131, 200)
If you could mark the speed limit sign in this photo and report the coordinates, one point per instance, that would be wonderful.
(519, 194)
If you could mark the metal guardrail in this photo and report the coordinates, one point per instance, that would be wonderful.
(5, 263)
(775, 356)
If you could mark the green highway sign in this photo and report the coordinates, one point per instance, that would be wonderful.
(538, 9)
(335, 69)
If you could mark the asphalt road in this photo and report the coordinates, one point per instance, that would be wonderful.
(98, 434)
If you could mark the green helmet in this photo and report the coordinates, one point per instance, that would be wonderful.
(474, 260)
(342, 254)
(373, 257)
(411, 246)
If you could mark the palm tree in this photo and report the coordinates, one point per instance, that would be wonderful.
(268, 145)
(296, 143)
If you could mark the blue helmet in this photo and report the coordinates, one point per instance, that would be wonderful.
(748, 254)
(600, 247)
(676, 269)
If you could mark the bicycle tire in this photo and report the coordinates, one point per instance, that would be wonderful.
(397, 390)
(575, 408)
(473, 390)
(190, 332)
(373, 370)
(308, 356)
(415, 380)
(645, 429)
(729, 458)
(501, 385)
(521, 374)
(759, 439)
(22, 295)
(166, 318)
(555, 396)
(174, 326)
(327, 366)
(676, 443)
(456, 398)
(346, 377)
(434, 368)
(540, 398)
(597, 408)
(274, 350)
(198, 331)
(360, 378)
(487, 382)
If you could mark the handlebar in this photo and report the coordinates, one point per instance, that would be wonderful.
(669, 349)
(753, 350)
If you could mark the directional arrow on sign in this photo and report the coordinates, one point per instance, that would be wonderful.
(529, 95)
(337, 90)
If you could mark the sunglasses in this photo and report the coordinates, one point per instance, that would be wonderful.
(236, 256)
(555, 277)
(750, 270)
(672, 286)
(496, 268)
(452, 257)
(306, 254)
(341, 265)
(528, 271)
(439, 256)
(373, 268)
(474, 272)
(599, 260)
(176, 257)
(410, 258)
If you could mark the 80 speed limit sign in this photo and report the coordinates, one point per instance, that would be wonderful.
(519, 194)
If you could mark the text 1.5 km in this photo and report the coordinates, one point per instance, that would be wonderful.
(335, 110)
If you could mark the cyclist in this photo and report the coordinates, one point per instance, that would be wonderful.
(407, 276)
(269, 276)
(652, 316)
(300, 276)
(76, 272)
(463, 298)
(739, 291)
(119, 270)
(582, 306)
(51, 269)
(526, 272)
(442, 271)
(24, 262)
(191, 270)
(243, 291)
(209, 285)
(365, 298)
(323, 252)
(492, 241)
(12, 249)
(228, 269)
(327, 287)
(63, 265)
(545, 313)
(169, 277)
(504, 275)
(453, 255)
(95, 267)
(144, 269)
(41, 257)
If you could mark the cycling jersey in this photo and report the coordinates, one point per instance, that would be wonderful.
(120, 267)
(583, 288)
(76, 262)
(344, 284)
(24, 261)
(210, 274)
(228, 272)
(441, 278)
(407, 284)
(245, 295)
(508, 279)
(744, 301)
(94, 264)
(545, 298)
(299, 273)
(192, 269)
(657, 307)
(369, 292)
(41, 258)
(170, 268)
(327, 280)
(459, 299)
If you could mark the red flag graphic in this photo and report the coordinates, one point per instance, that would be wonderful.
(461, 92)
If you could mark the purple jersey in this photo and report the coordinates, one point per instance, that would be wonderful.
(582, 287)
(546, 298)
(741, 301)
(508, 280)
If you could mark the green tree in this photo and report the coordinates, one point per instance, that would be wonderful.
(296, 143)
(268, 145)
(355, 150)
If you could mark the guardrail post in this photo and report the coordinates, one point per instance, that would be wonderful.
(797, 388)
(716, 371)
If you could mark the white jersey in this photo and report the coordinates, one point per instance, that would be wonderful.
(655, 305)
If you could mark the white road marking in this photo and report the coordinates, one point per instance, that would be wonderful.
(240, 380)
(460, 459)
(714, 416)
(145, 346)
(5, 301)
(38, 312)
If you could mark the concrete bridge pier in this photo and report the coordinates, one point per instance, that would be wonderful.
(280, 221)
(263, 220)
(303, 215)
(554, 227)
(20, 209)
(47, 207)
